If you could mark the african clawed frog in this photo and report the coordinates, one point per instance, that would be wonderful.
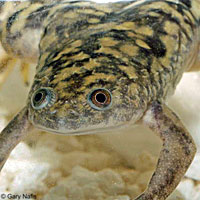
(103, 66)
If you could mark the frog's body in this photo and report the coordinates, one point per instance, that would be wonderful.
(131, 54)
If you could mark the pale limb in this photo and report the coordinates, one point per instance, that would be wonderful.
(196, 65)
(176, 155)
(13, 133)
(6, 66)
(25, 72)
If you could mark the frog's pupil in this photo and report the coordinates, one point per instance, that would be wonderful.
(38, 97)
(101, 98)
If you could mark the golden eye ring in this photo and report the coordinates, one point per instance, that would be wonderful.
(100, 99)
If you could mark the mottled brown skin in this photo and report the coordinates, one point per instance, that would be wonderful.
(13, 133)
(177, 152)
(136, 50)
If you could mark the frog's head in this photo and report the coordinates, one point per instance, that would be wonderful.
(84, 103)
(85, 95)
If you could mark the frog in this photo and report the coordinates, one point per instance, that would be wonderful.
(105, 66)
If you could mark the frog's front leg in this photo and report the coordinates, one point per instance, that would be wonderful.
(176, 155)
(13, 133)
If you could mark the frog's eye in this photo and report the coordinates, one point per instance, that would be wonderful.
(43, 97)
(100, 99)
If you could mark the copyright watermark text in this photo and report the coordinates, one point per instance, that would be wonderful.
(17, 196)
(13, 0)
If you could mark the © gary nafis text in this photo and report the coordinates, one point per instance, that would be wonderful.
(18, 196)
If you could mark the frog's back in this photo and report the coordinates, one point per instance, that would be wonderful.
(171, 33)
(20, 20)
(150, 43)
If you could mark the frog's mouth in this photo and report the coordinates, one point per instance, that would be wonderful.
(84, 131)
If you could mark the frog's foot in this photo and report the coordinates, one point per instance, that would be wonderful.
(7, 64)
(12, 134)
(176, 155)
(24, 68)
